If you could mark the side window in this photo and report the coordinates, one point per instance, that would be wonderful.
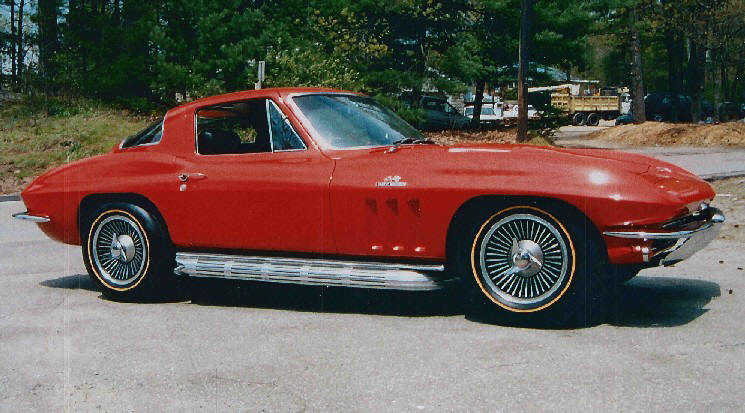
(249, 126)
(432, 105)
(150, 135)
(284, 137)
(232, 128)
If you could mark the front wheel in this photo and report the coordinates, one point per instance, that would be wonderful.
(526, 263)
(126, 252)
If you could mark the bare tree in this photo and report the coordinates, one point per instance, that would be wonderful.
(19, 53)
(12, 41)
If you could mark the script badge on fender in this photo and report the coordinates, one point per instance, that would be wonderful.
(391, 181)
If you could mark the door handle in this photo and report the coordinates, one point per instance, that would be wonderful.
(183, 177)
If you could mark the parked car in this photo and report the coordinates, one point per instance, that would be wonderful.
(659, 107)
(626, 119)
(512, 112)
(324, 187)
(491, 114)
(731, 111)
(439, 114)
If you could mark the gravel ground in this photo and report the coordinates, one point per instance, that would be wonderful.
(731, 200)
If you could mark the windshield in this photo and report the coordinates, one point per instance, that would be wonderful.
(347, 121)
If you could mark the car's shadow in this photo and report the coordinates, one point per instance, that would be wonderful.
(641, 302)
(71, 282)
(323, 299)
(661, 301)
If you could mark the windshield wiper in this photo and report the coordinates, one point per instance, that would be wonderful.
(412, 140)
(406, 141)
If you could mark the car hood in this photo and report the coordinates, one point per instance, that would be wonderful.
(530, 169)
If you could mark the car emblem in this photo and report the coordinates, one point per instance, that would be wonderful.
(391, 181)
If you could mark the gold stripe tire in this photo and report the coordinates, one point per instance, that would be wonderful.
(126, 251)
(524, 262)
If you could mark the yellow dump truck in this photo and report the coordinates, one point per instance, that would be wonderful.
(588, 110)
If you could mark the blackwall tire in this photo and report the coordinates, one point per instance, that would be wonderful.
(578, 119)
(593, 119)
(127, 253)
(526, 264)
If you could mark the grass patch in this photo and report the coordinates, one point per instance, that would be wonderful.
(38, 134)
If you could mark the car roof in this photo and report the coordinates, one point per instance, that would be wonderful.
(280, 92)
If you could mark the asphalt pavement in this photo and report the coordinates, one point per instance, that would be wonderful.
(711, 162)
(677, 345)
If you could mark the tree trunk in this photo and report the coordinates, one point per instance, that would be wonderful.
(477, 104)
(117, 12)
(637, 81)
(736, 82)
(726, 91)
(13, 42)
(522, 74)
(675, 80)
(696, 61)
(47, 40)
(20, 54)
(717, 84)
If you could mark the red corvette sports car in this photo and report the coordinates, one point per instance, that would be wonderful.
(318, 186)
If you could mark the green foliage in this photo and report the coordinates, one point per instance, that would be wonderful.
(410, 114)
(550, 119)
(309, 67)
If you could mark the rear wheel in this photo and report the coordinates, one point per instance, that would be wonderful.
(593, 119)
(126, 252)
(524, 263)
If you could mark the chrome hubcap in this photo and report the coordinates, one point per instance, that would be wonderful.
(523, 259)
(118, 250)
(122, 248)
(527, 257)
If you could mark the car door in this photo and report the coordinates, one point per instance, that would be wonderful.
(253, 183)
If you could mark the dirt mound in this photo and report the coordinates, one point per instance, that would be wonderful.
(663, 134)
(452, 137)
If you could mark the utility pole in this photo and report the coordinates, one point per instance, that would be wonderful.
(522, 71)
(637, 82)
(262, 67)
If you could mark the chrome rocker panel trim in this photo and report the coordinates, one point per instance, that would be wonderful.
(411, 277)
(25, 216)
(688, 242)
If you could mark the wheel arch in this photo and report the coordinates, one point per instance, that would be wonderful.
(90, 202)
(481, 207)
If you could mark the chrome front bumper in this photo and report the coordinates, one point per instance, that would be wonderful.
(678, 243)
(25, 216)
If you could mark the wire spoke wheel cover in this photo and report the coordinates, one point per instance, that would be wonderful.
(523, 259)
(118, 250)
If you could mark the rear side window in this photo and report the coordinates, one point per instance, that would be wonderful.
(150, 135)
(249, 126)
